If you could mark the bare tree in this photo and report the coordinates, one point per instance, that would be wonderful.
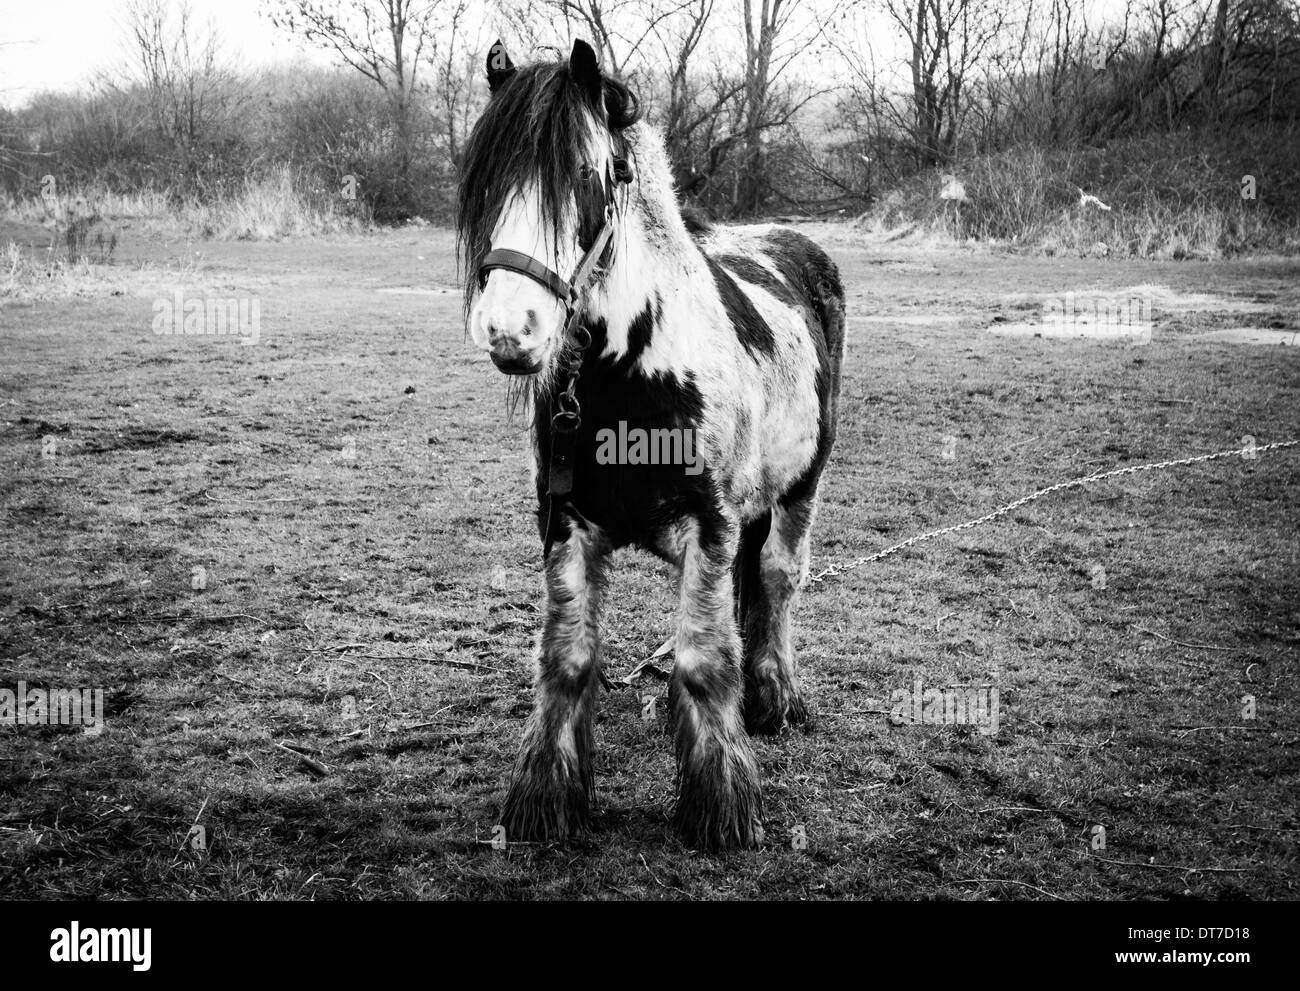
(179, 63)
(947, 41)
(692, 101)
(619, 30)
(456, 66)
(777, 32)
(384, 40)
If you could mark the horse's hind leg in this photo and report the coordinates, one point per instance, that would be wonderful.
(551, 791)
(772, 696)
(718, 797)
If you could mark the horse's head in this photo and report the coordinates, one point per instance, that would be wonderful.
(537, 184)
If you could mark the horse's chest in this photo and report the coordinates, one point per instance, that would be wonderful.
(639, 463)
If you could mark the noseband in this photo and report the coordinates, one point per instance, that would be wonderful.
(566, 411)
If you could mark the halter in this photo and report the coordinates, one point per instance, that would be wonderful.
(566, 417)
(568, 291)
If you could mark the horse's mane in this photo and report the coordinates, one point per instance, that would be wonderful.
(696, 220)
(532, 131)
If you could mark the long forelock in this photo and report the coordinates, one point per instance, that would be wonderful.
(532, 135)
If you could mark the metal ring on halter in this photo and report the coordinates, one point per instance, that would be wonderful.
(568, 403)
(581, 337)
(566, 422)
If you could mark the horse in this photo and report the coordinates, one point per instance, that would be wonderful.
(732, 336)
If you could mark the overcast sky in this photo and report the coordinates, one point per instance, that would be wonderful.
(59, 44)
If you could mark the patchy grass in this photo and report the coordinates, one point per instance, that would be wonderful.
(282, 202)
(357, 502)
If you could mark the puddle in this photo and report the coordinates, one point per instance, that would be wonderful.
(1163, 300)
(1126, 333)
(1128, 314)
(419, 291)
(1248, 335)
(910, 320)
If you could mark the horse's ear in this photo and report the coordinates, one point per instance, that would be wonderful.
(499, 66)
(585, 69)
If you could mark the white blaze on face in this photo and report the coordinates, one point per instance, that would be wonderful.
(518, 321)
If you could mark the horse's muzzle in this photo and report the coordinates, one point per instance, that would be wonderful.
(514, 360)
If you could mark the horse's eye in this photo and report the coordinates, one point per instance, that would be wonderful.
(584, 172)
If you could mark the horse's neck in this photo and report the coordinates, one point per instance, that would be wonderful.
(654, 254)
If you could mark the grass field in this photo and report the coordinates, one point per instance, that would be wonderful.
(357, 500)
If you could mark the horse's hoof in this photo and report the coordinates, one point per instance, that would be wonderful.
(798, 715)
(719, 808)
(740, 831)
(770, 706)
(544, 814)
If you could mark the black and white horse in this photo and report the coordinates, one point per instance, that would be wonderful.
(729, 336)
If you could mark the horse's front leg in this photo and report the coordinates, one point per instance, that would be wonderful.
(551, 791)
(718, 799)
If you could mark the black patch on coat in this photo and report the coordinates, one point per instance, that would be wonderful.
(751, 329)
(633, 504)
(641, 331)
(805, 267)
(757, 275)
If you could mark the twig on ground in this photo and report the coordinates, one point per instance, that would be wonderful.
(300, 749)
(391, 694)
(1004, 880)
(425, 659)
(178, 618)
(1168, 867)
(454, 735)
(315, 766)
(1267, 829)
(414, 726)
(1198, 729)
(1180, 643)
